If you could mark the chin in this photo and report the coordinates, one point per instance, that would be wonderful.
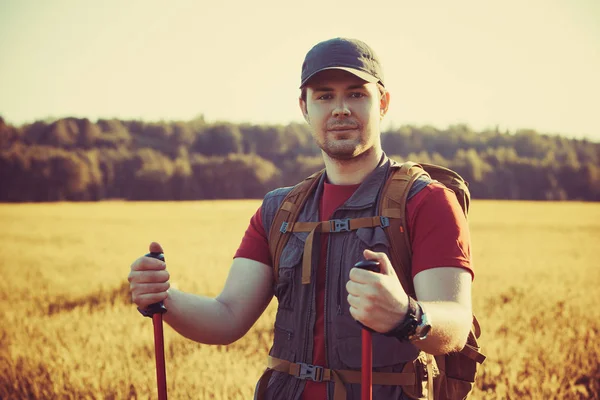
(344, 152)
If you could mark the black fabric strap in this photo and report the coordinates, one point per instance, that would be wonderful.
(408, 325)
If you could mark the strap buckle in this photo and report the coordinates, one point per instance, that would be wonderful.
(340, 225)
(284, 226)
(311, 372)
(385, 222)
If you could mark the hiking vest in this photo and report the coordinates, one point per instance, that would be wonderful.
(293, 331)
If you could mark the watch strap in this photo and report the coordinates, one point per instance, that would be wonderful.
(408, 325)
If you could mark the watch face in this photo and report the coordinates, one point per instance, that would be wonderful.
(423, 329)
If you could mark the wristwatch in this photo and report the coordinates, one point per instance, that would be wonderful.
(422, 329)
(411, 328)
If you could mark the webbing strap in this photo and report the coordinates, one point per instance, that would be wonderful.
(429, 377)
(289, 211)
(288, 206)
(339, 377)
(331, 226)
(473, 353)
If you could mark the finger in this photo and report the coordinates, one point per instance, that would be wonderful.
(353, 288)
(155, 248)
(149, 276)
(363, 290)
(147, 288)
(144, 300)
(353, 300)
(382, 258)
(148, 263)
(362, 276)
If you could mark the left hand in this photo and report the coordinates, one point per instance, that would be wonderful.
(377, 300)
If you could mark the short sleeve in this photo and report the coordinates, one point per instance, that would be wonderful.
(255, 244)
(438, 230)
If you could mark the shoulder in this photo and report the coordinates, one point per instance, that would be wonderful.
(276, 196)
(433, 192)
(271, 203)
(437, 202)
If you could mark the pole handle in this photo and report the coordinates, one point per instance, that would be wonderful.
(156, 308)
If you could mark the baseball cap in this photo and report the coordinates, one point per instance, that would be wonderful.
(351, 55)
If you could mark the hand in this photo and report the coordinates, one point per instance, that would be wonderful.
(148, 279)
(377, 300)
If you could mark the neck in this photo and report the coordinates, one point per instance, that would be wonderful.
(352, 171)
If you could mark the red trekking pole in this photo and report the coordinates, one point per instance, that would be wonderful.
(366, 379)
(155, 311)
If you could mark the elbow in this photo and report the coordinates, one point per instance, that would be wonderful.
(461, 336)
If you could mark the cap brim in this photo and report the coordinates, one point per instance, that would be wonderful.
(365, 76)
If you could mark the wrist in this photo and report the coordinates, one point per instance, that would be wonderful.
(407, 326)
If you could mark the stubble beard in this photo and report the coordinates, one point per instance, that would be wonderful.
(343, 150)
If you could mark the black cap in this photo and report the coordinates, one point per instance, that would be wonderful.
(350, 55)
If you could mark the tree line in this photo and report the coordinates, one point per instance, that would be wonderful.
(75, 159)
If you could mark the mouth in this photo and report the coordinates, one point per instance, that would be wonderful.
(342, 128)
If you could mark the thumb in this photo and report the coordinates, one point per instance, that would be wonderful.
(156, 248)
(384, 262)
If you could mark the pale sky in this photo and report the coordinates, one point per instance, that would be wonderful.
(517, 64)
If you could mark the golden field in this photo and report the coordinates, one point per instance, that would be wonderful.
(69, 331)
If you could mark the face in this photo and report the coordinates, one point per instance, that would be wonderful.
(344, 113)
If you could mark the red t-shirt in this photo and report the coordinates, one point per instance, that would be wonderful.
(439, 236)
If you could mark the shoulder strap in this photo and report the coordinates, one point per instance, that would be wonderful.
(392, 204)
(288, 213)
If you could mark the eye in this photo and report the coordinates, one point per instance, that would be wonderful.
(357, 95)
(326, 96)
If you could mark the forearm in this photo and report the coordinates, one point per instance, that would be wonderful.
(199, 318)
(450, 326)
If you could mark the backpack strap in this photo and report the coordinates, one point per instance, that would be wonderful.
(288, 212)
(331, 226)
(392, 204)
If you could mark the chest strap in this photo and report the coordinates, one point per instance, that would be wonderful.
(320, 374)
(331, 226)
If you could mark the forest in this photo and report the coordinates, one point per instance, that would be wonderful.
(75, 159)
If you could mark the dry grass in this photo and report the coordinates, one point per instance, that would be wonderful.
(69, 330)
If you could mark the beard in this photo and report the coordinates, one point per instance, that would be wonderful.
(343, 146)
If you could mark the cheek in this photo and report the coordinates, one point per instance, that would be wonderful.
(316, 116)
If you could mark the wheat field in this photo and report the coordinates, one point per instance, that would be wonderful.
(69, 331)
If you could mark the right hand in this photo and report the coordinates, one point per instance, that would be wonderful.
(148, 279)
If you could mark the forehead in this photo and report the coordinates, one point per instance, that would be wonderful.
(336, 77)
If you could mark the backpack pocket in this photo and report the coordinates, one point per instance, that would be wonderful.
(289, 263)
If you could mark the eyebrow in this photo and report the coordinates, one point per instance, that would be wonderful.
(328, 89)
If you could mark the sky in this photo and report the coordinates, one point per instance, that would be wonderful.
(508, 64)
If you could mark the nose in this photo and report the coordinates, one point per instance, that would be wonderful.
(341, 109)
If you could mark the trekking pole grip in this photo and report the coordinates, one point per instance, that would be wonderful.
(156, 308)
(369, 265)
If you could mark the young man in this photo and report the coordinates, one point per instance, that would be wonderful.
(316, 338)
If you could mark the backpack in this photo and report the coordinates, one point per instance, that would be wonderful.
(445, 377)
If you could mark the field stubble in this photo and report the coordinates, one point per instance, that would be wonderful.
(69, 330)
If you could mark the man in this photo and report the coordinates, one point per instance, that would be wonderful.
(343, 99)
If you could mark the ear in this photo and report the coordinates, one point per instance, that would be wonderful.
(384, 103)
(304, 109)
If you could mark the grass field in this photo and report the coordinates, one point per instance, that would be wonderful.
(68, 329)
